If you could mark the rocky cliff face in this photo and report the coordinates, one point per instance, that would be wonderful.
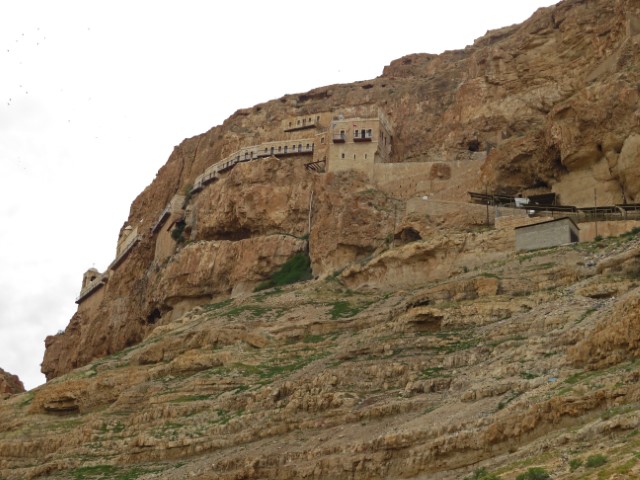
(10, 384)
(553, 102)
(425, 347)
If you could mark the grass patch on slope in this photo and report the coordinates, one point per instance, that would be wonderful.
(296, 269)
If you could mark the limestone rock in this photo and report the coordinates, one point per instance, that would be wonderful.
(10, 384)
(426, 347)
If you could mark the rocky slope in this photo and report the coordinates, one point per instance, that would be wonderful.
(526, 360)
(424, 347)
(553, 102)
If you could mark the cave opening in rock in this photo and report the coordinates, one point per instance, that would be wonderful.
(153, 316)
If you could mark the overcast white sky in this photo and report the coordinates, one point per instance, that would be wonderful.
(94, 96)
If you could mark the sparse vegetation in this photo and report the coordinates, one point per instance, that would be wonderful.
(575, 463)
(434, 372)
(103, 472)
(631, 233)
(534, 473)
(482, 474)
(178, 232)
(296, 269)
(595, 461)
(216, 306)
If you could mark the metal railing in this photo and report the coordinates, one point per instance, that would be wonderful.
(251, 153)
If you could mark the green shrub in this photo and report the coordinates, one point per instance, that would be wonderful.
(534, 473)
(296, 269)
(575, 464)
(595, 461)
(482, 474)
(178, 231)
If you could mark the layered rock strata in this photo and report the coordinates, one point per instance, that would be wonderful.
(551, 105)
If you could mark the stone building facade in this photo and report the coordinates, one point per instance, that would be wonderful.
(559, 231)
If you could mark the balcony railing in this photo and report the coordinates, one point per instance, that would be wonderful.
(301, 125)
(339, 138)
(362, 136)
(251, 153)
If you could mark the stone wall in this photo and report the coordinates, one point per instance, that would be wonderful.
(606, 229)
(546, 234)
(450, 180)
(165, 244)
(90, 304)
(457, 212)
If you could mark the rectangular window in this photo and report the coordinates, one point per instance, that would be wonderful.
(343, 155)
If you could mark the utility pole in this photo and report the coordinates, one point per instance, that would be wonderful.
(310, 206)
(486, 194)
(595, 210)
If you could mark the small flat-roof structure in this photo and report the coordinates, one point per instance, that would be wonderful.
(550, 233)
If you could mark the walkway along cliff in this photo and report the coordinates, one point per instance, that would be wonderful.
(529, 109)
(425, 346)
